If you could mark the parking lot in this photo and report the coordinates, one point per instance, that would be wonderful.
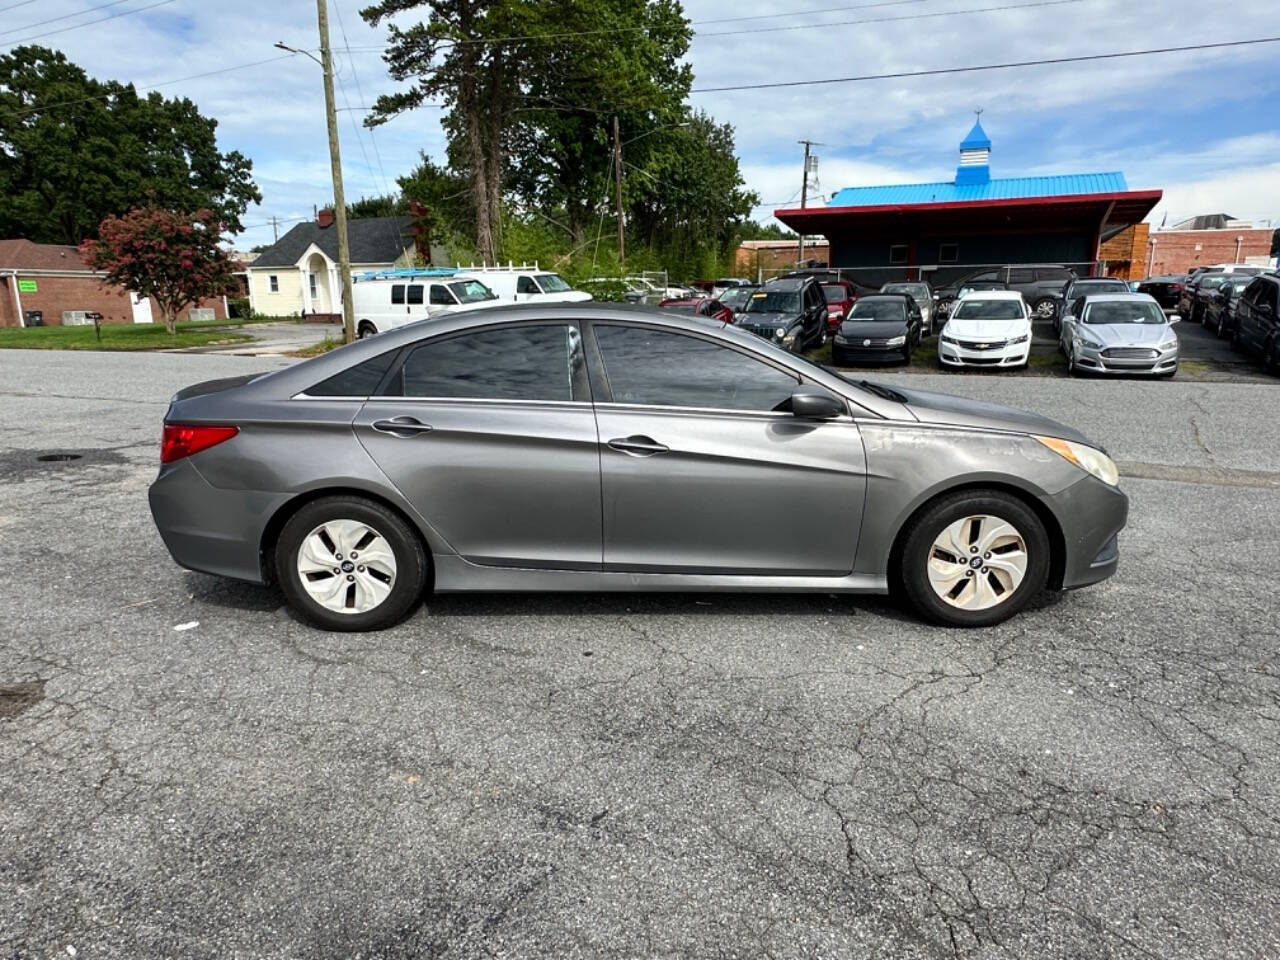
(188, 771)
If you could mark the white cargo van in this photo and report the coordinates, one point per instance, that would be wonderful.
(527, 284)
(391, 298)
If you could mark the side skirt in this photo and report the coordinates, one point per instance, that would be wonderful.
(456, 575)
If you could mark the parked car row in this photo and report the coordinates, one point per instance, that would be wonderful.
(1243, 307)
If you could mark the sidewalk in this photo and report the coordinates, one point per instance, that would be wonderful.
(274, 339)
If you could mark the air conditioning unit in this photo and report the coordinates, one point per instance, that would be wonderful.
(76, 318)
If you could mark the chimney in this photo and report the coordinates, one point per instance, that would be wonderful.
(324, 219)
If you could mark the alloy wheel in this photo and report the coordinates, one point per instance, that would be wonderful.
(346, 566)
(977, 562)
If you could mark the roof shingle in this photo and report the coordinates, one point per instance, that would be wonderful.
(371, 240)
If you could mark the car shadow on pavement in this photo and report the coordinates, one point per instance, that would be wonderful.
(233, 594)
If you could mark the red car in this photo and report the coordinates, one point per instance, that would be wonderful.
(840, 295)
(700, 306)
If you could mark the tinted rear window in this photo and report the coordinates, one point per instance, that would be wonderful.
(510, 363)
(358, 381)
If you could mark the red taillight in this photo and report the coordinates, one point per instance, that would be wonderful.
(182, 439)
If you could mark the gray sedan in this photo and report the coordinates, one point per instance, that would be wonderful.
(605, 448)
(1119, 333)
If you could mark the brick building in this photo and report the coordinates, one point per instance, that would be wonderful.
(52, 280)
(1221, 240)
(767, 257)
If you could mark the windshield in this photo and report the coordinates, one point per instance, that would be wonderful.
(874, 310)
(773, 301)
(834, 292)
(1212, 283)
(736, 297)
(988, 310)
(1123, 311)
(1082, 287)
(917, 291)
(471, 291)
(552, 283)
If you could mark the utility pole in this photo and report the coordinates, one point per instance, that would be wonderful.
(275, 229)
(335, 162)
(804, 196)
(617, 169)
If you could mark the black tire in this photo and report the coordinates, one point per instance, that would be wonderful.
(1050, 309)
(1271, 356)
(1237, 344)
(411, 562)
(366, 329)
(917, 545)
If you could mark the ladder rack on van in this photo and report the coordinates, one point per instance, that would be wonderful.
(497, 267)
(402, 273)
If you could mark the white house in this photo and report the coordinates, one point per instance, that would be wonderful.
(298, 274)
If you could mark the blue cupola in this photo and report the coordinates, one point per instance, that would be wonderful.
(975, 157)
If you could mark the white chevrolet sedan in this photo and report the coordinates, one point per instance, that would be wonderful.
(987, 328)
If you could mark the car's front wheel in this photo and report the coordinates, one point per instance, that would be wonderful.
(349, 563)
(1045, 309)
(974, 558)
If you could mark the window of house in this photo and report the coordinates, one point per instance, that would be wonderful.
(948, 253)
(415, 294)
(273, 283)
(510, 363)
(897, 254)
(315, 291)
(397, 293)
(659, 368)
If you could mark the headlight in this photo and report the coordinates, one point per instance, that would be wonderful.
(1168, 344)
(1086, 458)
(1091, 344)
(945, 339)
(1021, 339)
(895, 341)
(840, 340)
(780, 333)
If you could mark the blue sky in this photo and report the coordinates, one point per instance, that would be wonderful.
(1201, 126)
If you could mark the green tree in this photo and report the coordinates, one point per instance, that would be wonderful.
(175, 258)
(752, 230)
(75, 150)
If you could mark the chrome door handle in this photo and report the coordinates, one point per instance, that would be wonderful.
(402, 426)
(638, 446)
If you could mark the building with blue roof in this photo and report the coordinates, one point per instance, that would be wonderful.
(939, 231)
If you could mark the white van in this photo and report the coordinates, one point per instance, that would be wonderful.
(527, 284)
(384, 301)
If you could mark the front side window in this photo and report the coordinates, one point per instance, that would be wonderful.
(471, 291)
(526, 285)
(440, 296)
(661, 368)
(507, 363)
(553, 283)
(414, 295)
(988, 310)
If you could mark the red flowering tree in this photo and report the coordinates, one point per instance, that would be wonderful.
(173, 257)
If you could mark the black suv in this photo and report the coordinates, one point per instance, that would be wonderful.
(1083, 287)
(1257, 320)
(1039, 283)
(790, 311)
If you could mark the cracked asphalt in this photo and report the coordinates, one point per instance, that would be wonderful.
(637, 776)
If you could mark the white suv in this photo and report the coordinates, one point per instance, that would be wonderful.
(987, 328)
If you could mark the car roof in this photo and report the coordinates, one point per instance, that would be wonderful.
(992, 295)
(787, 283)
(1076, 280)
(895, 297)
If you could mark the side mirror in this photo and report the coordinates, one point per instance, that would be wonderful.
(815, 403)
(1174, 319)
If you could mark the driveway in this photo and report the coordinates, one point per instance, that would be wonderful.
(189, 772)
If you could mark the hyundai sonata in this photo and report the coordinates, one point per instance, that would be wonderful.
(595, 447)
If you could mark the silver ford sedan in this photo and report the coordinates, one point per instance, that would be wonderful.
(1119, 333)
(595, 447)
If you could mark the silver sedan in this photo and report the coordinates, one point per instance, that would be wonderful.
(595, 447)
(1124, 333)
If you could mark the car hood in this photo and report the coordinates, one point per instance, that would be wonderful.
(877, 329)
(929, 407)
(986, 329)
(1127, 334)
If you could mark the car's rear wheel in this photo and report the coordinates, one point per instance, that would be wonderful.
(366, 329)
(1045, 308)
(974, 558)
(349, 563)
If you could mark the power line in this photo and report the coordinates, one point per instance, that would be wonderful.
(90, 23)
(989, 66)
(150, 86)
(65, 16)
(15, 6)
